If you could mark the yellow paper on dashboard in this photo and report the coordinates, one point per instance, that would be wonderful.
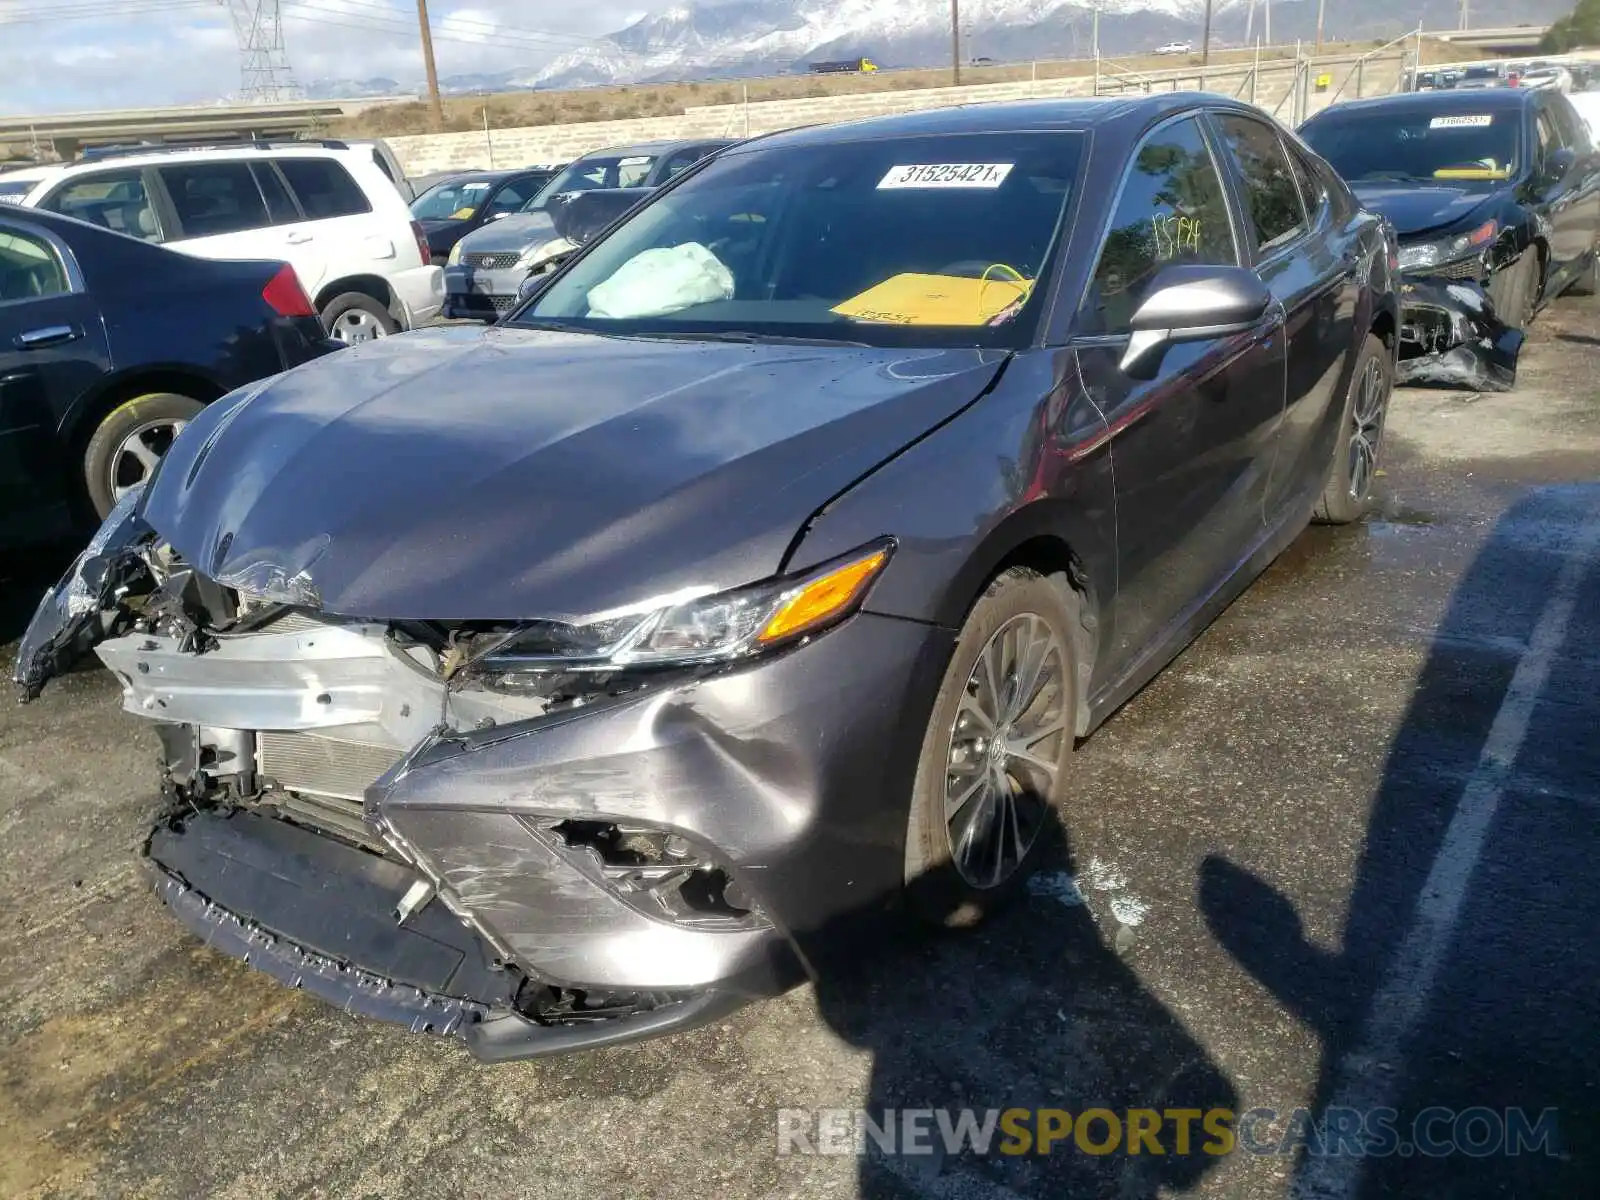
(917, 299)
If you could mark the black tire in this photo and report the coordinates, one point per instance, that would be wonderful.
(109, 464)
(348, 313)
(1514, 289)
(937, 889)
(1347, 491)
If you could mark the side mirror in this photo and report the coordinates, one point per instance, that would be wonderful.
(527, 288)
(1191, 304)
(1558, 165)
(495, 216)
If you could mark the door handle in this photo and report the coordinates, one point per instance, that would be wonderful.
(297, 239)
(49, 335)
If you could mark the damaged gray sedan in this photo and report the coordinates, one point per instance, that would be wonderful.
(579, 679)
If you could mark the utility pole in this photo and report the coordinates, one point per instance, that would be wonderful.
(1464, 22)
(1250, 22)
(1318, 49)
(427, 61)
(1094, 38)
(1266, 17)
(1205, 40)
(955, 41)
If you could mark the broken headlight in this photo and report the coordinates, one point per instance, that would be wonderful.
(685, 630)
(1426, 255)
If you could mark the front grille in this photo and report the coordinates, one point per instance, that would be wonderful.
(1467, 268)
(324, 766)
(492, 262)
(502, 303)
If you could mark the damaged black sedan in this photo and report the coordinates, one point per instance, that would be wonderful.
(1495, 195)
(575, 680)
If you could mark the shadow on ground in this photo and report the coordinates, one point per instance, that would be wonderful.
(1512, 1017)
(1034, 1010)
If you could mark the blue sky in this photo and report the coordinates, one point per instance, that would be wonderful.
(60, 55)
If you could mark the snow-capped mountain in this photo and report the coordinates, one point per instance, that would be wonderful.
(710, 39)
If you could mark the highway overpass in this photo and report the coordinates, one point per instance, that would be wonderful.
(1515, 39)
(62, 135)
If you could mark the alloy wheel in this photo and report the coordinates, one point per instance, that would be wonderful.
(135, 459)
(1366, 433)
(355, 325)
(1005, 750)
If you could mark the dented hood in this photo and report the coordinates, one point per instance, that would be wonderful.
(1418, 209)
(508, 474)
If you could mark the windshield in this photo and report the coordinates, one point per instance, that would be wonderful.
(452, 200)
(596, 171)
(929, 241)
(1452, 144)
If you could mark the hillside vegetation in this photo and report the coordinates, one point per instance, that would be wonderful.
(507, 110)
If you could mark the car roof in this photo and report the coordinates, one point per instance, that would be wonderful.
(158, 158)
(1472, 100)
(1010, 116)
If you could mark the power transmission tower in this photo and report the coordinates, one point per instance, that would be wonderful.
(265, 77)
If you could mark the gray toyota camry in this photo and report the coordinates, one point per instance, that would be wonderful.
(574, 680)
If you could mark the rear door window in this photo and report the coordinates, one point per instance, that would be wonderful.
(29, 268)
(280, 205)
(114, 200)
(324, 188)
(1271, 191)
(1171, 211)
(213, 198)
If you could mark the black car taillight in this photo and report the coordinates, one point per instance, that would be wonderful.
(422, 243)
(285, 295)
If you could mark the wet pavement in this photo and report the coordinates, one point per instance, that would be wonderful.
(1339, 857)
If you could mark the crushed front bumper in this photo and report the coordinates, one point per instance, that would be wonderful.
(323, 772)
(1451, 337)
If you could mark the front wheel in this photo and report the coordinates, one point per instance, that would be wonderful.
(129, 442)
(1514, 289)
(995, 753)
(1357, 451)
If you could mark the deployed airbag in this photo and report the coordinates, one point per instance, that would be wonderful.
(665, 280)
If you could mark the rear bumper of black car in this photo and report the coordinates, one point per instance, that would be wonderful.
(1450, 336)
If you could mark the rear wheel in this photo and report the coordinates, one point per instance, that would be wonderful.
(1357, 450)
(1514, 289)
(355, 317)
(994, 757)
(129, 442)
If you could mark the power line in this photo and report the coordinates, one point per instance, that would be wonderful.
(297, 10)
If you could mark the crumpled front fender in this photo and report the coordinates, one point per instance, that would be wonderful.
(85, 607)
(1450, 336)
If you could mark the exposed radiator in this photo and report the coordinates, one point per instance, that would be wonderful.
(323, 779)
(324, 766)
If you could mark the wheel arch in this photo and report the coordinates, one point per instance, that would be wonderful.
(94, 405)
(1040, 538)
(375, 286)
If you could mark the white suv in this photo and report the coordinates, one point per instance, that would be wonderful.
(330, 213)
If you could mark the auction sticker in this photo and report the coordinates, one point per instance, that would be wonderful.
(946, 175)
(1471, 121)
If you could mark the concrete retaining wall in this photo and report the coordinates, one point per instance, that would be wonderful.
(1274, 88)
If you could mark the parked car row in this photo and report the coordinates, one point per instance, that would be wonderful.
(330, 211)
